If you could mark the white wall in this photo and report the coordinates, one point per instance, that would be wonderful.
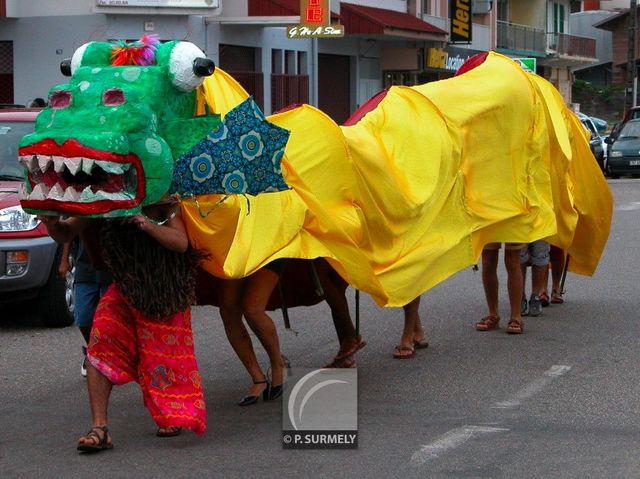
(40, 43)
(41, 8)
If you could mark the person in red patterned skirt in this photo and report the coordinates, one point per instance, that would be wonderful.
(142, 326)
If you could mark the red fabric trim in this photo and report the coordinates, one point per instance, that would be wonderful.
(472, 62)
(366, 107)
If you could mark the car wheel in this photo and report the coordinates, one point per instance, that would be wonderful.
(54, 305)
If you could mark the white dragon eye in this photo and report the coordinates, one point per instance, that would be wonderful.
(186, 66)
(76, 59)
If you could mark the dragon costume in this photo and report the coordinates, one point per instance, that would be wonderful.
(404, 195)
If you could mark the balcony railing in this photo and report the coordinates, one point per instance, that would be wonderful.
(571, 45)
(512, 36)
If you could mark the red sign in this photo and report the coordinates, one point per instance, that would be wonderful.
(315, 12)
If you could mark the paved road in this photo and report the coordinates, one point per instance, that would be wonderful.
(562, 400)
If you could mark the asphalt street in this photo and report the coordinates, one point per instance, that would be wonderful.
(561, 400)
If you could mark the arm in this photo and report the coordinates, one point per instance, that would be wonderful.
(65, 265)
(63, 230)
(172, 235)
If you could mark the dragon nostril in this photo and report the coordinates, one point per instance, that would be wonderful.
(60, 99)
(113, 96)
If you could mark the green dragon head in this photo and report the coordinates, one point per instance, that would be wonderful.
(104, 144)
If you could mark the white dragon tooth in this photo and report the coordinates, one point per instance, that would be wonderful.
(111, 167)
(55, 193)
(43, 162)
(70, 194)
(87, 195)
(87, 165)
(31, 162)
(39, 192)
(73, 164)
(22, 192)
(58, 164)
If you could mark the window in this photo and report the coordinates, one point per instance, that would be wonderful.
(426, 7)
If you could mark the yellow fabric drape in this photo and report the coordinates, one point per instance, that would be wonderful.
(411, 193)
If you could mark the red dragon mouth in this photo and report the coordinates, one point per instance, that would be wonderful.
(75, 179)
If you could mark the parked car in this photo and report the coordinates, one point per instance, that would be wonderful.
(631, 114)
(624, 158)
(29, 258)
(597, 143)
(600, 124)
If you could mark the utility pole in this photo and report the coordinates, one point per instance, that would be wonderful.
(632, 70)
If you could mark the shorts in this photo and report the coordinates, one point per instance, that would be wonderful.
(509, 246)
(536, 253)
(87, 296)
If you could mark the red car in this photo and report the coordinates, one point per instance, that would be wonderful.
(29, 258)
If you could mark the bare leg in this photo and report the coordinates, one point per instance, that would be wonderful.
(539, 276)
(237, 334)
(412, 332)
(490, 279)
(515, 286)
(557, 266)
(337, 301)
(258, 289)
(99, 391)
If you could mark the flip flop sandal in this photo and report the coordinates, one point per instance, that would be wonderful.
(488, 323)
(515, 326)
(169, 431)
(355, 345)
(556, 298)
(421, 344)
(98, 443)
(397, 352)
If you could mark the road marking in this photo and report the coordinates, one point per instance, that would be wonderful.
(449, 440)
(634, 205)
(533, 388)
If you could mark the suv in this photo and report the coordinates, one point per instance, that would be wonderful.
(29, 258)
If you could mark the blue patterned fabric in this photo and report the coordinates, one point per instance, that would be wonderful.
(242, 155)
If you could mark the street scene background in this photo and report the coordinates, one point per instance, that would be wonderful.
(561, 400)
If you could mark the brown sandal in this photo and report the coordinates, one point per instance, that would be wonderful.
(488, 323)
(169, 431)
(99, 440)
(398, 352)
(515, 326)
(556, 297)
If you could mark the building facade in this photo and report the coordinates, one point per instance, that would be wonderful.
(387, 42)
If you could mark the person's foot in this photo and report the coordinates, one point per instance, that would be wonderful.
(544, 299)
(556, 297)
(488, 323)
(258, 387)
(403, 351)
(97, 439)
(524, 307)
(83, 366)
(535, 305)
(420, 340)
(345, 355)
(169, 431)
(515, 326)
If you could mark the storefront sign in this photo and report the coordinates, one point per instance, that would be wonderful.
(461, 25)
(160, 3)
(450, 59)
(315, 21)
